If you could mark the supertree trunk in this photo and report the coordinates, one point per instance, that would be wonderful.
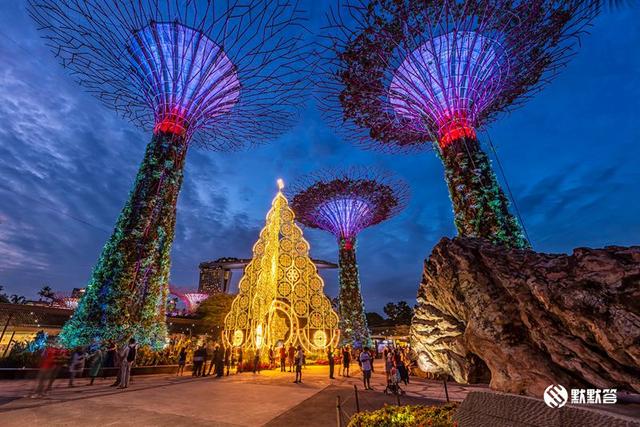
(128, 288)
(480, 206)
(353, 323)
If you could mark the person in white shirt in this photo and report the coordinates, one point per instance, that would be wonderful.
(299, 360)
(365, 366)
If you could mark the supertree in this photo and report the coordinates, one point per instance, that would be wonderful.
(345, 203)
(403, 75)
(217, 74)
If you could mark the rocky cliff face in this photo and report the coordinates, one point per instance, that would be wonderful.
(531, 319)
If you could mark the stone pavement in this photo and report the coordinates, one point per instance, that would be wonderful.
(269, 398)
(238, 400)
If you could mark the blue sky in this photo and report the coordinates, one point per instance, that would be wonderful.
(67, 164)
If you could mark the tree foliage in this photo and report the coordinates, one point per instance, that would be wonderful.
(399, 313)
(214, 309)
(47, 293)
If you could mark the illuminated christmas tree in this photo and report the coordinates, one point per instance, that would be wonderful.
(207, 73)
(281, 298)
(345, 203)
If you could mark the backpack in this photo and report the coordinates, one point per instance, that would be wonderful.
(131, 356)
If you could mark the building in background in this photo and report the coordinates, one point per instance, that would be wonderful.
(215, 276)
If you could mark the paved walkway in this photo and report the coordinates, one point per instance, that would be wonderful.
(269, 398)
(238, 400)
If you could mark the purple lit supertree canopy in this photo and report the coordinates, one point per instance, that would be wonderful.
(402, 75)
(345, 203)
(217, 74)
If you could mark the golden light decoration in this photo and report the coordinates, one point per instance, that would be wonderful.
(281, 298)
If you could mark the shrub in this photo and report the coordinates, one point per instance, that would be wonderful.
(407, 416)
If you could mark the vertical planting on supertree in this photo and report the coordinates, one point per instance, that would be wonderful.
(214, 74)
(345, 203)
(411, 74)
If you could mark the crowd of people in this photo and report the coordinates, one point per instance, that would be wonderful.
(211, 359)
(98, 358)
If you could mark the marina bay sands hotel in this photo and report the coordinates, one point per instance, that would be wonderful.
(215, 276)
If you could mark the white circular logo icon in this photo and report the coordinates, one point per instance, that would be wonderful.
(556, 396)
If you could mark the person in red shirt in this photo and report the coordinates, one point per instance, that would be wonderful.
(50, 365)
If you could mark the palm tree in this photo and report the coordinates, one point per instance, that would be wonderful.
(17, 299)
(3, 297)
(47, 293)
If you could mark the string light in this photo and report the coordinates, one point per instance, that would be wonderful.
(281, 298)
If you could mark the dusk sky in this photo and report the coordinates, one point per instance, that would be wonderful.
(67, 163)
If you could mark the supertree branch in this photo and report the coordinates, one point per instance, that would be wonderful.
(344, 203)
(225, 73)
(219, 74)
(406, 75)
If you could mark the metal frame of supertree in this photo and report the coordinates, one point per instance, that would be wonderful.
(217, 74)
(413, 74)
(345, 203)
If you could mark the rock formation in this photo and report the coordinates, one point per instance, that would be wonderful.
(532, 319)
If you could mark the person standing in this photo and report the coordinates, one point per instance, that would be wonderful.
(95, 364)
(346, 360)
(239, 368)
(219, 362)
(197, 361)
(117, 360)
(365, 365)
(299, 360)
(214, 358)
(128, 357)
(256, 362)
(272, 358)
(205, 355)
(283, 359)
(332, 362)
(76, 365)
(182, 361)
(291, 355)
(109, 359)
(227, 359)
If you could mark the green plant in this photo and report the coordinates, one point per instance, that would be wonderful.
(407, 416)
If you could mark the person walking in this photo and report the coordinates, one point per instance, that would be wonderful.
(365, 365)
(227, 359)
(239, 367)
(95, 365)
(128, 357)
(182, 361)
(76, 365)
(299, 360)
(332, 362)
(51, 362)
(346, 360)
(291, 354)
